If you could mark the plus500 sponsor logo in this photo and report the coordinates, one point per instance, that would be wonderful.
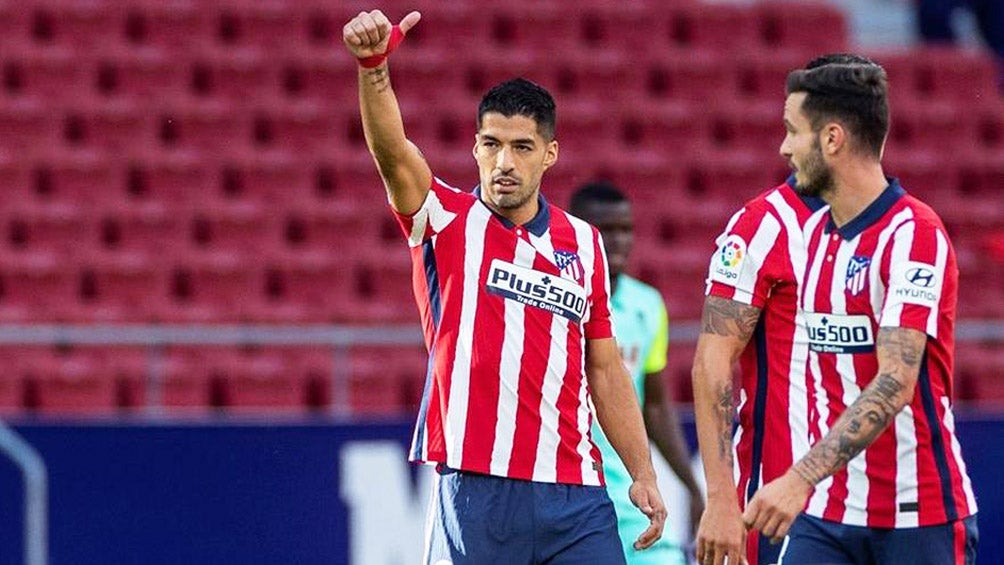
(835, 333)
(537, 290)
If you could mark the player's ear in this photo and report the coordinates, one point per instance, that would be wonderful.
(833, 137)
(550, 153)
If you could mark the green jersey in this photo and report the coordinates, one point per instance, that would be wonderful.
(642, 329)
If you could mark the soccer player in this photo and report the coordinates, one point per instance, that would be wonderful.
(514, 301)
(751, 314)
(885, 481)
(642, 326)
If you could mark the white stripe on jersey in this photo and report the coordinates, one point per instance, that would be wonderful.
(455, 424)
(797, 393)
(892, 311)
(906, 467)
(878, 290)
(817, 503)
(512, 354)
(432, 211)
(587, 255)
(967, 485)
(758, 247)
(545, 467)
(856, 503)
(940, 265)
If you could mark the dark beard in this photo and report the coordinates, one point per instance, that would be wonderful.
(820, 177)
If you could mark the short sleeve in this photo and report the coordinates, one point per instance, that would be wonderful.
(442, 205)
(656, 359)
(599, 324)
(748, 257)
(920, 278)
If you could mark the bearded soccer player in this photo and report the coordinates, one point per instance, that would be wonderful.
(751, 314)
(514, 301)
(885, 481)
(642, 326)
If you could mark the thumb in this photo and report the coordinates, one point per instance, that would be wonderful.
(409, 21)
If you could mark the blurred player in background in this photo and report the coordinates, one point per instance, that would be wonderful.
(514, 301)
(642, 327)
(885, 481)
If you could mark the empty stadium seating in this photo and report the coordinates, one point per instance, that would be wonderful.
(204, 162)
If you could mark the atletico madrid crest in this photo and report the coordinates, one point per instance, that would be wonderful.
(857, 274)
(569, 265)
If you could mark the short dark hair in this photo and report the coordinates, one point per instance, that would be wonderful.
(839, 59)
(602, 192)
(854, 94)
(520, 97)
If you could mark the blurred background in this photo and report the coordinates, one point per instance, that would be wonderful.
(209, 350)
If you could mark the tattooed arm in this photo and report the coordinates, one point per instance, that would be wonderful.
(405, 173)
(899, 352)
(726, 328)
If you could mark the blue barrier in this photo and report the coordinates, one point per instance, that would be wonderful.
(304, 492)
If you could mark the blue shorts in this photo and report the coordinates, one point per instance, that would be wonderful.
(760, 550)
(815, 541)
(481, 519)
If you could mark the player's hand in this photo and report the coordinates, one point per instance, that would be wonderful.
(776, 505)
(368, 33)
(645, 495)
(721, 535)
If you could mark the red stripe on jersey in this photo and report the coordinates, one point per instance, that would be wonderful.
(569, 460)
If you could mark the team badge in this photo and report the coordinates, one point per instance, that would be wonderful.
(857, 274)
(569, 264)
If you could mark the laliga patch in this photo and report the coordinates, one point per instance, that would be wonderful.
(912, 282)
(836, 333)
(537, 290)
(727, 262)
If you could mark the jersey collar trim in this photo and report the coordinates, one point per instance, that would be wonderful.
(871, 214)
(538, 225)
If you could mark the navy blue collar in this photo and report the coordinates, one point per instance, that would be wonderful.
(538, 225)
(813, 203)
(871, 214)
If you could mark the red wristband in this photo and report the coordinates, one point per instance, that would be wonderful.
(396, 37)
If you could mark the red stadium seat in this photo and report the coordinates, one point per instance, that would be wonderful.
(177, 26)
(305, 128)
(121, 287)
(727, 28)
(74, 383)
(28, 126)
(56, 75)
(956, 74)
(788, 24)
(306, 287)
(241, 228)
(321, 78)
(60, 229)
(239, 76)
(140, 74)
(762, 75)
(214, 287)
(701, 76)
(118, 127)
(386, 380)
(182, 380)
(258, 379)
(933, 126)
(212, 128)
(168, 180)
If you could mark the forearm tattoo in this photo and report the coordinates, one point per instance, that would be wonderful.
(723, 413)
(900, 351)
(722, 316)
(379, 78)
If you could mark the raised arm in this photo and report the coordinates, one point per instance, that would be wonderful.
(726, 328)
(620, 417)
(900, 352)
(405, 173)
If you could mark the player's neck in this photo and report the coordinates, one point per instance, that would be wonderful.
(855, 188)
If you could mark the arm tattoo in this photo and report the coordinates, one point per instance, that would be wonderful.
(899, 351)
(379, 78)
(722, 316)
(724, 411)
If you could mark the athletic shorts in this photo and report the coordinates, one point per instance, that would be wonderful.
(815, 541)
(760, 550)
(482, 519)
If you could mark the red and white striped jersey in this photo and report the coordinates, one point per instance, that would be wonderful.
(506, 311)
(892, 266)
(759, 261)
